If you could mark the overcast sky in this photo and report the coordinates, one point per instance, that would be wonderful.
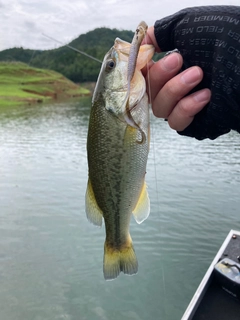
(23, 21)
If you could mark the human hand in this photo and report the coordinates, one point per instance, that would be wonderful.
(168, 88)
(207, 38)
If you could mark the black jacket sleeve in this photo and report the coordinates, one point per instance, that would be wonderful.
(210, 38)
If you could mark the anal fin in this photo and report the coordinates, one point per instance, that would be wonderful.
(93, 212)
(142, 209)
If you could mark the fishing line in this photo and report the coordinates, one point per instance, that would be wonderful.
(152, 130)
(70, 47)
(31, 57)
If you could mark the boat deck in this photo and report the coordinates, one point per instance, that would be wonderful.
(217, 304)
(211, 301)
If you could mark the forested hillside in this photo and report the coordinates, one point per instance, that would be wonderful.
(71, 64)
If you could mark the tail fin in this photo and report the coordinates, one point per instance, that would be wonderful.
(117, 260)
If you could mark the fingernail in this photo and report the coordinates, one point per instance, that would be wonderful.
(190, 76)
(170, 62)
(203, 95)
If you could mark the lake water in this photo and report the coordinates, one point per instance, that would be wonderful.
(51, 256)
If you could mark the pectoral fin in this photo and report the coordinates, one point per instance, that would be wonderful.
(145, 54)
(142, 209)
(94, 213)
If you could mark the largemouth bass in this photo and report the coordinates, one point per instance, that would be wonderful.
(117, 155)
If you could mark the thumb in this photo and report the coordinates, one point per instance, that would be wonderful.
(150, 39)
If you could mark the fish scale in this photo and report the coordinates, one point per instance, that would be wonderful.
(116, 159)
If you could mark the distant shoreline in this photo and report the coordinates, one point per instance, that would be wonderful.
(21, 84)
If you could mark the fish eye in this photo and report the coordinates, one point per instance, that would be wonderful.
(110, 65)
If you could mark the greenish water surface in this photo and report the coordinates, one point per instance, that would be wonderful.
(51, 256)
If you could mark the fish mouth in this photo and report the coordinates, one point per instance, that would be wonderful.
(122, 52)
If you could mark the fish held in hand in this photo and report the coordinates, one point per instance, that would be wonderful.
(116, 159)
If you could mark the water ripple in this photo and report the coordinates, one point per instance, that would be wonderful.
(51, 256)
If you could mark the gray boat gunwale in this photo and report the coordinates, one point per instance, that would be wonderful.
(203, 286)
